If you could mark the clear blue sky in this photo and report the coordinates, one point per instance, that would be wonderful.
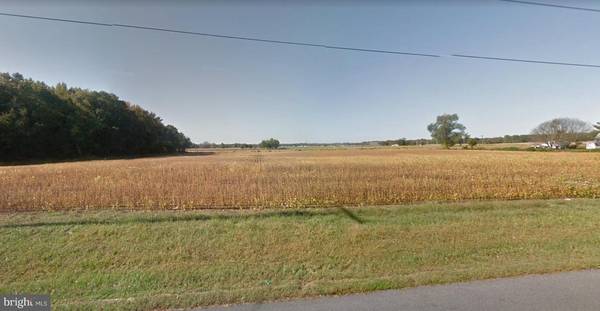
(222, 90)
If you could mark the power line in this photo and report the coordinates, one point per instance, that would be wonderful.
(553, 5)
(334, 47)
(525, 60)
(56, 19)
(275, 41)
(295, 43)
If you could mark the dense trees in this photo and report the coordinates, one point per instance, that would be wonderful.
(447, 131)
(39, 121)
(562, 130)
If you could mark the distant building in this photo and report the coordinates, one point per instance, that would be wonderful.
(593, 144)
(552, 145)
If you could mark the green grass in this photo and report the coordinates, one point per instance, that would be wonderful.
(171, 259)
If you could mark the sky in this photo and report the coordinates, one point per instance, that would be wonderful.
(223, 90)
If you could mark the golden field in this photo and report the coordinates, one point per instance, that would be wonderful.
(294, 178)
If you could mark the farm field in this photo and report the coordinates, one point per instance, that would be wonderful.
(146, 260)
(300, 178)
(230, 226)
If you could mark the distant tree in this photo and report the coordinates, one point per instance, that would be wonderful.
(400, 142)
(205, 144)
(464, 139)
(421, 142)
(446, 130)
(562, 130)
(270, 143)
(472, 142)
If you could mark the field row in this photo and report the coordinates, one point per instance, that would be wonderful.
(317, 178)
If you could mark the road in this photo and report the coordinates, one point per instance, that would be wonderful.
(560, 291)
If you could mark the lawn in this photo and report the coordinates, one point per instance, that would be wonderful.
(139, 260)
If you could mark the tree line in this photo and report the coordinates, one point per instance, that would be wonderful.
(563, 130)
(447, 131)
(270, 143)
(38, 121)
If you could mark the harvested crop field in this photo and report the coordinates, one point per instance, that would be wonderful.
(294, 178)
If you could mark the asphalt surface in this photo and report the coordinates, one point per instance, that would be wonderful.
(560, 291)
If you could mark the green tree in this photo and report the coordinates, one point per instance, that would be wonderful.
(270, 143)
(464, 139)
(472, 142)
(446, 130)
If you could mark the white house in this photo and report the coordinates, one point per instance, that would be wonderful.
(593, 144)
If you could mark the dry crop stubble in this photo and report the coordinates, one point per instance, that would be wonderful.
(294, 178)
